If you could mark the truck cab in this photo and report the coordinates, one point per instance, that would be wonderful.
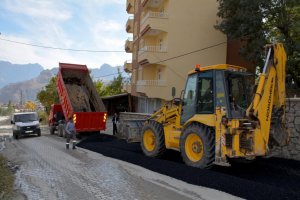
(25, 124)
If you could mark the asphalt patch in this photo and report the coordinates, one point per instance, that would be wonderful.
(271, 178)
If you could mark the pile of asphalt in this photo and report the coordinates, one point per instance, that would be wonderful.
(272, 178)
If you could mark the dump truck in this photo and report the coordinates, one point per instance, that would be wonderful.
(79, 99)
(218, 119)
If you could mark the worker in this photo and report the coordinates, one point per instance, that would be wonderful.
(115, 120)
(71, 133)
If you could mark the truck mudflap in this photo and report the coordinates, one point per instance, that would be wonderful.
(131, 125)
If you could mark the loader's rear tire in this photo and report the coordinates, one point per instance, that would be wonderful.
(197, 146)
(153, 139)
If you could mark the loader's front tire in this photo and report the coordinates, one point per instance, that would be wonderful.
(197, 146)
(153, 139)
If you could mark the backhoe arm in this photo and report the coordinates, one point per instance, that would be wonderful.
(269, 101)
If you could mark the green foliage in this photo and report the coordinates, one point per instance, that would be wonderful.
(49, 95)
(44, 116)
(113, 88)
(7, 111)
(101, 88)
(260, 22)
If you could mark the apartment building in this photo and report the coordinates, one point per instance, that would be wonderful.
(168, 38)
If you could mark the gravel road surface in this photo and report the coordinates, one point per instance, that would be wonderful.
(49, 171)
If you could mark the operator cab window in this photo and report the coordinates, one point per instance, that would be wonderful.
(198, 96)
(189, 98)
(239, 89)
(205, 103)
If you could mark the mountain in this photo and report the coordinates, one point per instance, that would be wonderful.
(12, 73)
(105, 73)
(29, 88)
(26, 89)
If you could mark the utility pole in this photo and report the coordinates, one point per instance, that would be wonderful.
(21, 99)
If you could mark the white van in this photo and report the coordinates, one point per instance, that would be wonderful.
(26, 123)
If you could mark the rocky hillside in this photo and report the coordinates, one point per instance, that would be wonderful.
(13, 73)
(27, 89)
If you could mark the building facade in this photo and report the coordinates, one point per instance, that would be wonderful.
(168, 38)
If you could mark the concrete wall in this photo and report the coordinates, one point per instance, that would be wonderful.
(292, 151)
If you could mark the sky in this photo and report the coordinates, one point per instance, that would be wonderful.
(97, 25)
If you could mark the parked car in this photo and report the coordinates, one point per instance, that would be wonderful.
(25, 124)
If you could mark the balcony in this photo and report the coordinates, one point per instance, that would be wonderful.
(130, 6)
(159, 49)
(152, 88)
(152, 3)
(151, 54)
(154, 21)
(128, 66)
(129, 25)
(129, 45)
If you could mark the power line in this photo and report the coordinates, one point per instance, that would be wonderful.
(185, 54)
(174, 57)
(63, 49)
(108, 75)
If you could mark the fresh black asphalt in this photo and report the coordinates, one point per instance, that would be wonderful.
(272, 178)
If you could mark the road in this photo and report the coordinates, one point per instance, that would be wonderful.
(49, 171)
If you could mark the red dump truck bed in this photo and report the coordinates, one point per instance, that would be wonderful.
(79, 98)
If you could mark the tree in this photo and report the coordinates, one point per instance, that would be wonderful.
(284, 25)
(30, 105)
(263, 21)
(243, 20)
(48, 95)
(101, 88)
(115, 87)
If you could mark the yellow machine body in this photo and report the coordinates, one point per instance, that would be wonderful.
(246, 137)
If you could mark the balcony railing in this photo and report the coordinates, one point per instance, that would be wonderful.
(150, 14)
(152, 88)
(151, 82)
(152, 49)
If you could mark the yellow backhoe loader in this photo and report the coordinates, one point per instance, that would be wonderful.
(219, 119)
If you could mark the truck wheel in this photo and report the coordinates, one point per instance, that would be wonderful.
(60, 130)
(39, 134)
(197, 146)
(52, 129)
(153, 139)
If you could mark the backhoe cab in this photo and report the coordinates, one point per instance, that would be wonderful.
(220, 118)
